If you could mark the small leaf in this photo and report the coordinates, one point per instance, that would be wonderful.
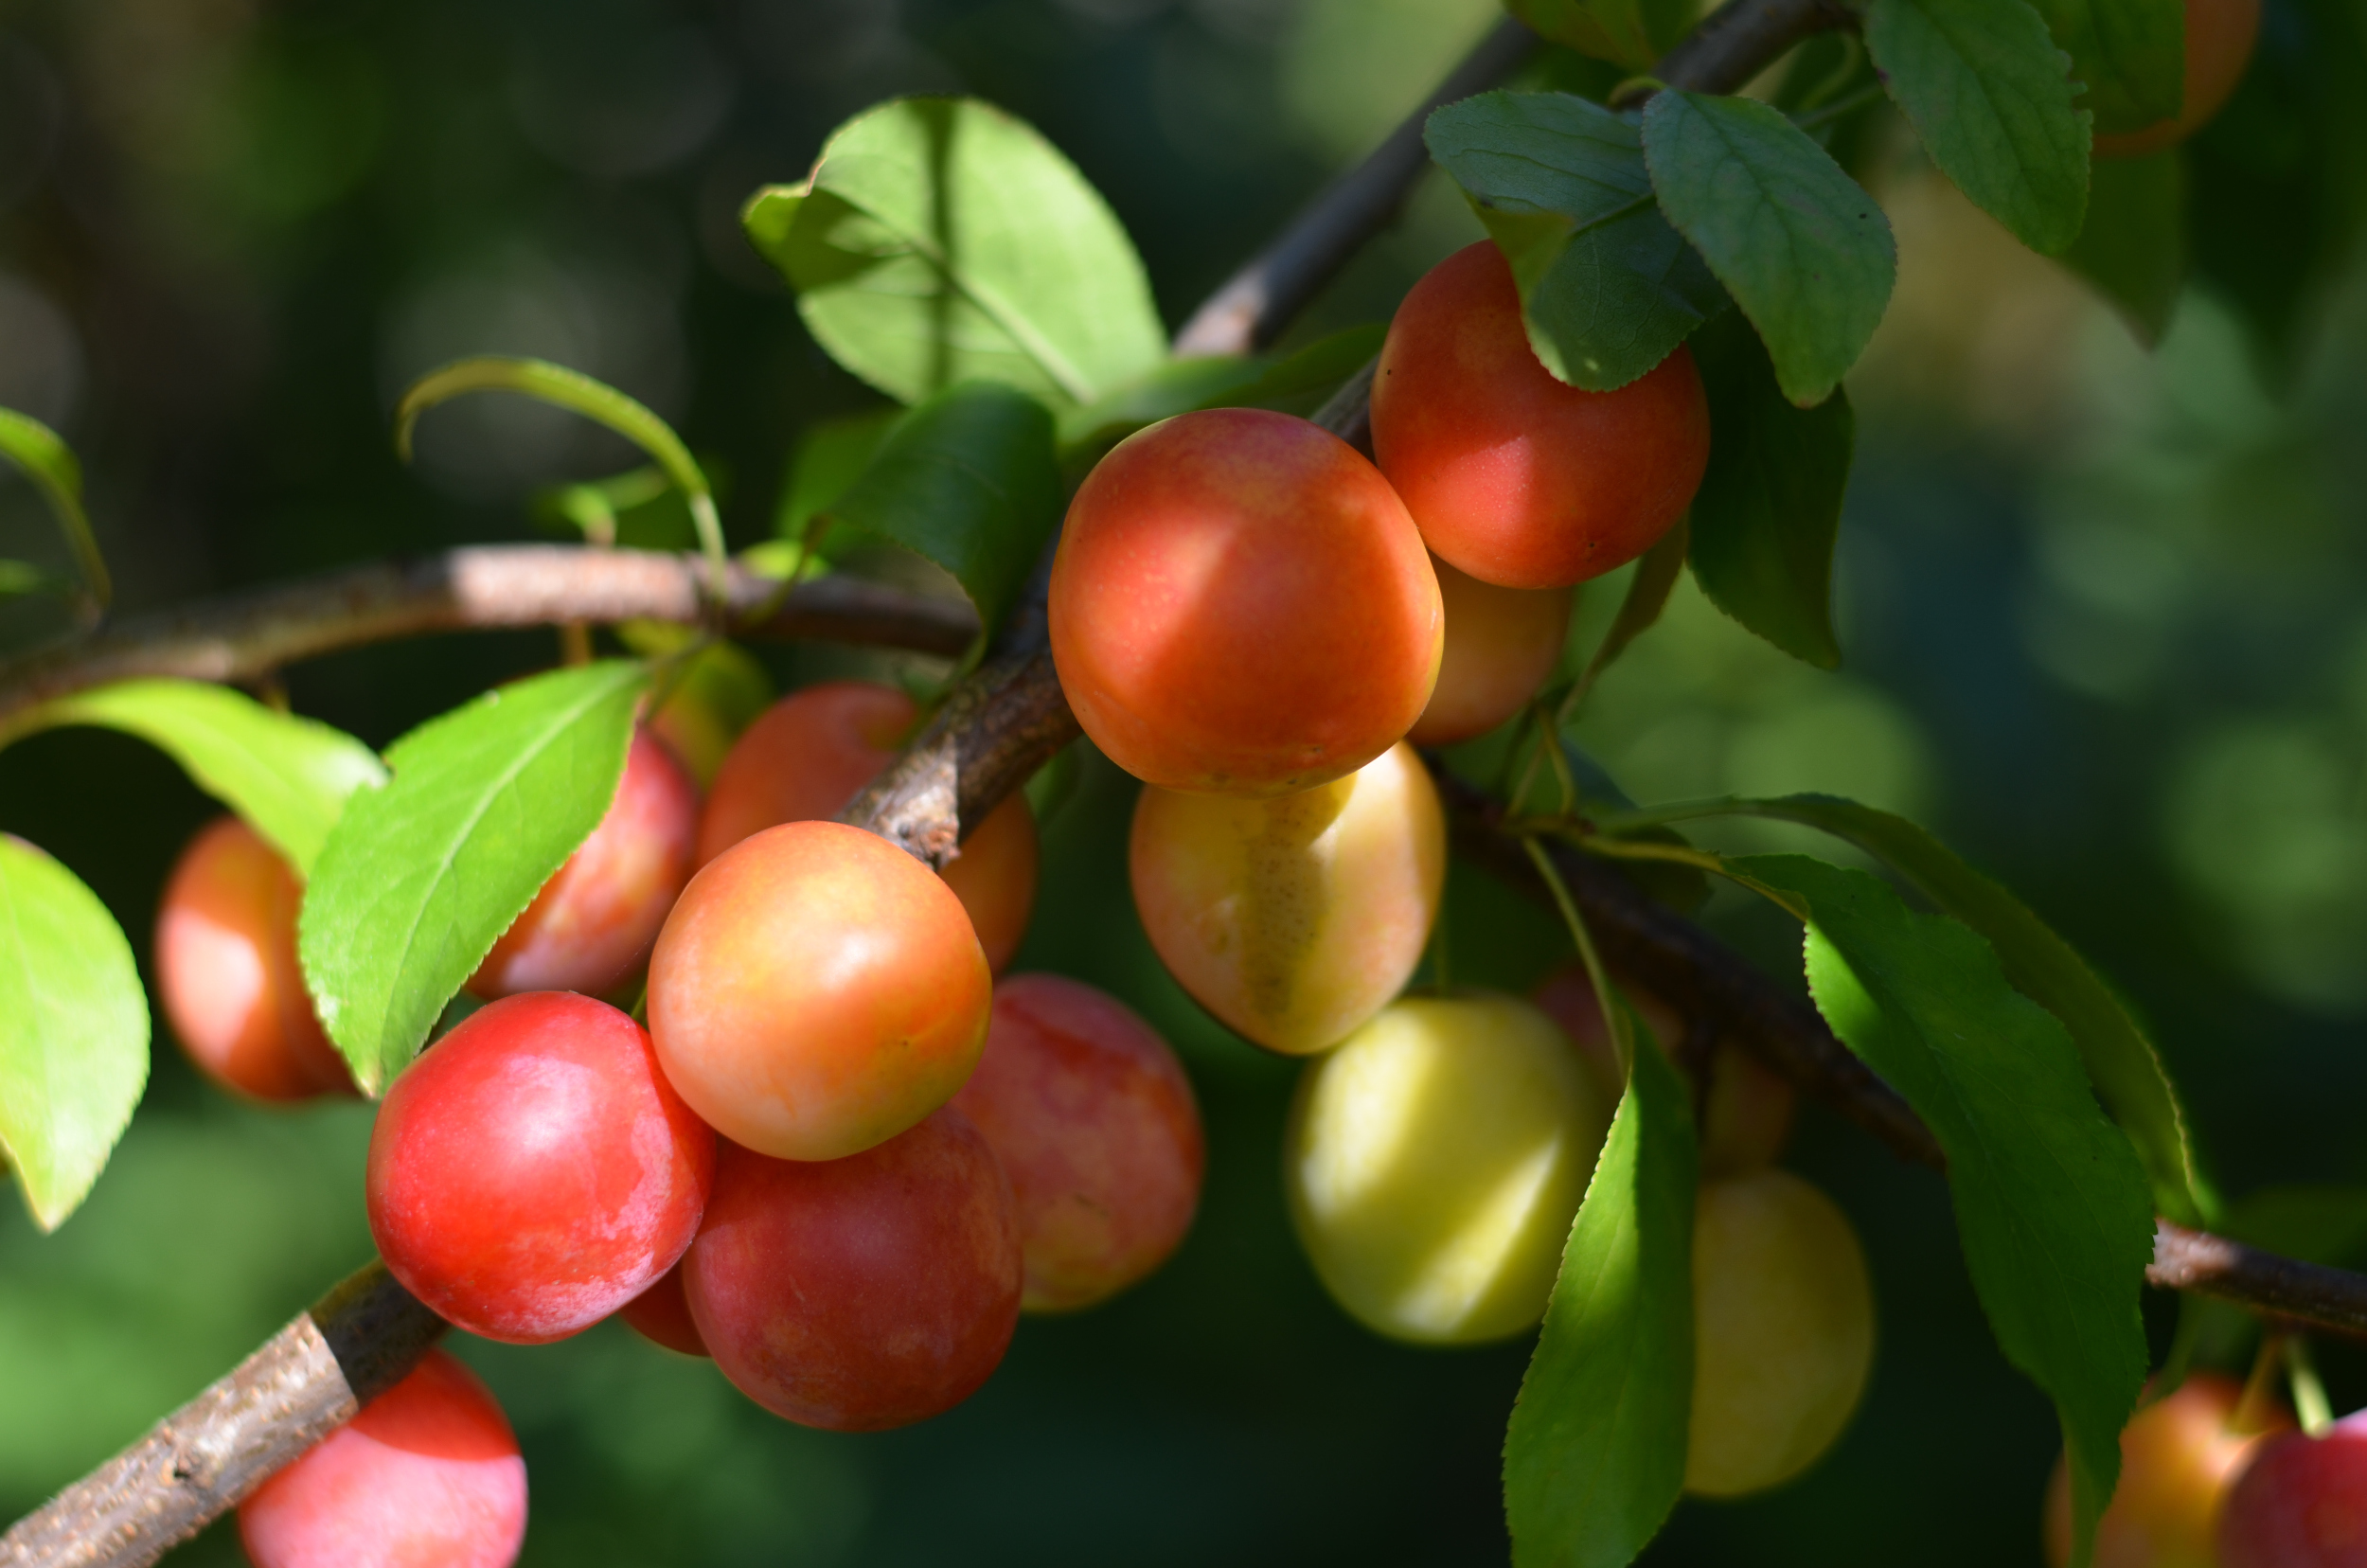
(73, 1031)
(1176, 386)
(967, 479)
(1991, 97)
(2134, 246)
(578, 393)
(2120, 1059)
(1595, 1453)
(50, 463)
(1768, 514)
(940, 239)
(1617, 30)
(831, 456)
(1655, 575)
(2131, 53)
(2050, 1201)
(1303, 380)
(418, 879)
(289, 778)
(1802, 247)
(1608, 289)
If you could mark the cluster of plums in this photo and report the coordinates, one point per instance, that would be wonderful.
(840, 1160)
(2214, 1477)
(806, 1168)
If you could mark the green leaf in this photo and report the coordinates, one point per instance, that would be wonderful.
(1634, 33)
(2120, 1059)
(1802, 247)
(73, 1031)
(1175, 386)
(1991, 97)
(1608, 289)
(288, 777)
(50, 463)
(2134, 246)
(1655, 575)
(578, 393)
(831, 455)
(2050, 1201)
(1768, 514)
(941, 239)
(2131, 53)
(418, 879)
(1595, 1453)
(21, 577)
(970, 480)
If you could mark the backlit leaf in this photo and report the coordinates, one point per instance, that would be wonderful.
(2131, 53)
(421, 877)
(939, 238)
(73, 1031)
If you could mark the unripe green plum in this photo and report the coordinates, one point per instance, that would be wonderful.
(2178, 1457)
(1293, 919)
(2219, 39)
(1783, 1331)
(226, 970)
(1239, 604)
(1435, 1161)
(806, 756)
(1501, 645)
(817, 992)
(1746, 1114)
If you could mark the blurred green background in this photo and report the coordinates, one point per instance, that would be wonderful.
(2102, 607)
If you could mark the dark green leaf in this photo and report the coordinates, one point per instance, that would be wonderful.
(2317, 1222)
(73, 1031)
(2120, 1059)
(970, 480)
(1632, 33)
(288, 777)
(20, 578)
(1301, 381)
(831, 456)
(1991, 97)
(939, 240)
(2050, 1201)
(420, 878)
(1173, 387)
(2131, 53)
(1608, 289)
(1655, 575)
(2134, 246)
(1802, 247)
(1595, 1453)
(1769, 510)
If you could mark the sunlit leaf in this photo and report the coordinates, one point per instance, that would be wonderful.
(420, 878)
(1768, 514)
(1608, 289)
(289, 778)
(73, 1031)
(1804, 251)
(2050, 1201)
(1595, 1453)
(968, 480)
(940, 239)
(1990, 94)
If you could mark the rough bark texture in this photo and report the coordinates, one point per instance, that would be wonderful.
(205, 1458)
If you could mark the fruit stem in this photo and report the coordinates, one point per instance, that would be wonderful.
(1614, 1015)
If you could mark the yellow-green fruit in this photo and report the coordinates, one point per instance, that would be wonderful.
(1296, 918)
(1434, 1162)
(1783, 1331)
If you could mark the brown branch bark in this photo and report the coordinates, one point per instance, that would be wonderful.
(246, 636)
(205, 1458)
